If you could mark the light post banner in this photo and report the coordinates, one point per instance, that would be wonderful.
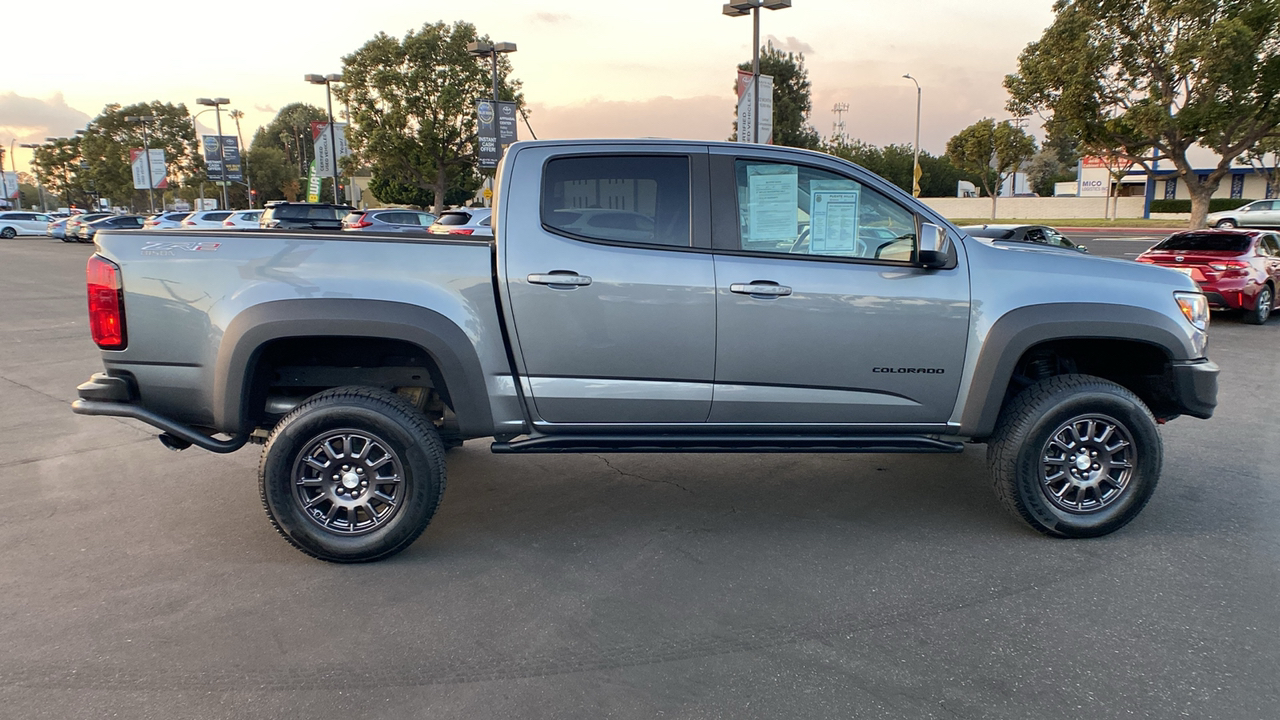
(10, 184)
(507, 128)
(747, 108)
(159, 171)
(231, 158)
(487, 149)
(212, 157)
(323, 149)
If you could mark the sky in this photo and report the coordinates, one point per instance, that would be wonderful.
(590, 68)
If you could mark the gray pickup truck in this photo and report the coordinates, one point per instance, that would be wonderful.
(647, 296)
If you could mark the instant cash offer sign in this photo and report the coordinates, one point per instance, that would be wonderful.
(495, 130)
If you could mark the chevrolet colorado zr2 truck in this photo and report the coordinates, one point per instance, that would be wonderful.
(647, 296)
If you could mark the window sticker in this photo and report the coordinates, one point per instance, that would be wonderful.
(833, 211)
(771, 204)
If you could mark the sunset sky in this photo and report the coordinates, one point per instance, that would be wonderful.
(591, 68)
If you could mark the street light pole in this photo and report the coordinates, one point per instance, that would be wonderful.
(144, 120)
(216, 104)
(915, 168)
(244, 156)
(752, 7)
(327, 81)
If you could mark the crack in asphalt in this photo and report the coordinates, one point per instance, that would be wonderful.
(624, 473)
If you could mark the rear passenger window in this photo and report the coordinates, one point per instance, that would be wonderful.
(621, 198)
(799, 210)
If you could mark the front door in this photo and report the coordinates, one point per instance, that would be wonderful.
(822, 317)
(612, 293)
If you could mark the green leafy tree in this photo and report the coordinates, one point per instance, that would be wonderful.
(399, 193)
(1046, 169)
(413, 105)
(1158, 76)
(109, 138)
(290, 132)
(791, 98)
(58, 163)
(272, 171)
(938, 177)
(992, 151)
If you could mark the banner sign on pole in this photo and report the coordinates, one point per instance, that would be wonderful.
(313, 184)
(747, 108)
(9, 182)
(222, 162)
(495, 130)
(159, 171)
(323, 150)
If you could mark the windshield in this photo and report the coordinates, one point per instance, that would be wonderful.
(989, 232)
(1207, 242)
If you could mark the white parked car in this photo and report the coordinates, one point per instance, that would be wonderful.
(205, 220)
(16, 222)
(166, 221)
(243, 219)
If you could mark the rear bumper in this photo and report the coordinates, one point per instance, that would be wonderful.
(1195, 384)
(114, 396)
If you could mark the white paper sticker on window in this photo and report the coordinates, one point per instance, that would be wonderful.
(771, 202)
(833, 212)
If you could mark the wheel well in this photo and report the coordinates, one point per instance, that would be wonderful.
(1143, 368)
(287, 371)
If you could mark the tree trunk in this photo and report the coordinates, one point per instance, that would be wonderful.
(438, 189)
(1199, 205)
(994, 196)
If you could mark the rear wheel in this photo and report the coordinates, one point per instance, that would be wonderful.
(8, 233)
(1226, 224)
(1075, 456)
(352, 475)
(1262, 306)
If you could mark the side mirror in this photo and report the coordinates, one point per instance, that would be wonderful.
(935, 246)
(1082, 248)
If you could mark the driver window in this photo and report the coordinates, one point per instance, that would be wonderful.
(791, 209)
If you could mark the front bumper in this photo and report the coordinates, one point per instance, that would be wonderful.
(1195, 385)
(105, 394)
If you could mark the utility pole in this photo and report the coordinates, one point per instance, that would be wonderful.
(216, 104)
(244, 158)
(915, 167)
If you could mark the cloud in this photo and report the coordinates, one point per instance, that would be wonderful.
(705, 117)
(791, 44)
(31, 119)
(550, 18)
(264, 109)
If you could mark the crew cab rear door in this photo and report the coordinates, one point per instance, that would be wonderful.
(822, 314)
(610, 282)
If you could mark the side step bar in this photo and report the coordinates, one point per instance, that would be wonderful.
(696, 443)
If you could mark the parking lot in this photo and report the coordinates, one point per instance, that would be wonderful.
(140, 583)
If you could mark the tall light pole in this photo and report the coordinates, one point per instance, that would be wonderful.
(327, 81)
(752, 7)
(144, 121)
(915, 169)
(216, 104)
(4, 181)
(44, 206)
(492, 50)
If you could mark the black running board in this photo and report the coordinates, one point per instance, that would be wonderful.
(728, 444)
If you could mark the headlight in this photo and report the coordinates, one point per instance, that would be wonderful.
(1195, 308)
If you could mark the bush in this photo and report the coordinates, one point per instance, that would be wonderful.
(1184, 206)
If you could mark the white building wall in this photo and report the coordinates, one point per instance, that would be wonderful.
(1043, 208)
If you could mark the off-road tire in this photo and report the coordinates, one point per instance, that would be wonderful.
(1017, 450)
(1261, 311)
(390, 420)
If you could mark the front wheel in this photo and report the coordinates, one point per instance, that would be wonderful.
(1261, 311)
(1075, 456)
(1226, 224)
(354, 474)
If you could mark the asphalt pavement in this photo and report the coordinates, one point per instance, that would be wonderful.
(136, 582)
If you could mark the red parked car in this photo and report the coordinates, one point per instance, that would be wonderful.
(1236, 269)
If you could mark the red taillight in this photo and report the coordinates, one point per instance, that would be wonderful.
(460, 231)
(361, 222)
(106, 303)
